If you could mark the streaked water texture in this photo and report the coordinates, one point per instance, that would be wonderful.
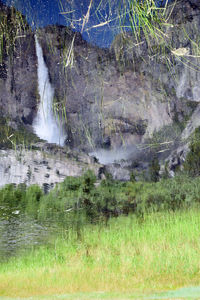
(46, 124)
(19, 233)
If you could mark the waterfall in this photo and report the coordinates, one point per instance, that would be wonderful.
(46, 124)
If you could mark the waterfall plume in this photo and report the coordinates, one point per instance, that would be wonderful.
(46, 124)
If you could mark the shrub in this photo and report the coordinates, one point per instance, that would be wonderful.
(154, 169)
(31, 200)
(77, 201)
(192, 162)
(12, 196)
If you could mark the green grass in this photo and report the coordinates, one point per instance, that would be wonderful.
(129, 256)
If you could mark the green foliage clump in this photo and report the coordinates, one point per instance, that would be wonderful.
(11, 196)
(69, 198)
(31, 200)
(78, 200)
(154, 169)
(192, 162)
(22, 198)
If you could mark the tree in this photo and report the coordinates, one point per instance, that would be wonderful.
(154, 169)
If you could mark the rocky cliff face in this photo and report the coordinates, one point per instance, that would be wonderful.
(124, 95)
(109, 98)
(46, 166)
(107, 104)
(18, 67)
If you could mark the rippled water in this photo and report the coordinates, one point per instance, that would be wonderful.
(19, 233)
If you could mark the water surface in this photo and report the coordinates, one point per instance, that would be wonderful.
(19, 233)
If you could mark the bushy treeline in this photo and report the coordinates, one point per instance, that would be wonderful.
(78, 200)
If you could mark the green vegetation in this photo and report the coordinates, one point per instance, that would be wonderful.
(192, 162)
(12, 25)
(77, 201)
(10, 138)
(146, 19)
(129, 255)
(152, 245)
(154, 169)
(162, 139)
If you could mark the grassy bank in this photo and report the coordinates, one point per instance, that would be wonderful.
(130, 255)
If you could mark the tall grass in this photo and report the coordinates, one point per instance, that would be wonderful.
(130, 255)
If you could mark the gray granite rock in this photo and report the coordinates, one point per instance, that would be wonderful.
(40, 167)
(107, 98)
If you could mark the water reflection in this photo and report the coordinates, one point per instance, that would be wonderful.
(192, 292)
(18, 233)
